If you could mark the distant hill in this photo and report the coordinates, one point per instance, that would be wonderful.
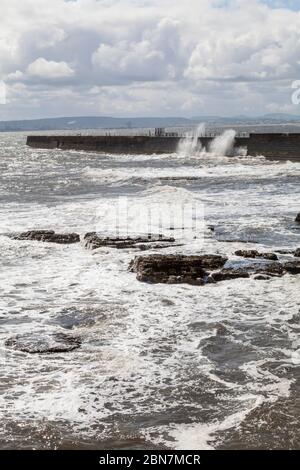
(103, 122)
(282, 117)
(275, 118)
(106, 122)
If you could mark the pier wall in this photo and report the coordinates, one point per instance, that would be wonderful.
(272, 146)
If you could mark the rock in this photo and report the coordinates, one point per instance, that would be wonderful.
(227, 274)
(285, 252)
(48, 236)
(255, 254)
(297, 253)
(221, 330)
(167, 302)
(175, 269)
(72, 318)
(93, 241)
(261, 277)
(43, 343)
(295, 320)
(298, 218)
(270, 269)
(154, 246)
(200, 270)
(292, 267)
(269, 256)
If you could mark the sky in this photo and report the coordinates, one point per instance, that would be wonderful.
(148, 57)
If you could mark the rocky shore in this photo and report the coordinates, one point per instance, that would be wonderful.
(177, 268)
(196, 270)
(200, 270)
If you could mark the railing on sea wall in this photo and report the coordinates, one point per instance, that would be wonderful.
(182, 134)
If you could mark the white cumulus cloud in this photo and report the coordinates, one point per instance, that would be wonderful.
(148, 57)
(49, 69)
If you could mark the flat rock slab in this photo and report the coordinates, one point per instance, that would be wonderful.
(48, 236)
(255, 254)
(43, 343)
(175, 269)
(93, 241)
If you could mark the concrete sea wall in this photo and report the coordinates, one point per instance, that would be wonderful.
(272, 146)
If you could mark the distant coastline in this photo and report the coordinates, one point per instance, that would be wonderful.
(291, 122)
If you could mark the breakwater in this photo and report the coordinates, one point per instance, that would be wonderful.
(272, 146)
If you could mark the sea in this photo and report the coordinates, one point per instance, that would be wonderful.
(159, 366)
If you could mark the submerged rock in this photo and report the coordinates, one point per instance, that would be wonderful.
(255, 254)
(43, 343)
(72, 318)
(48, 236)
(175, 269)
(93, 241)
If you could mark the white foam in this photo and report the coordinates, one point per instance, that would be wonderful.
(199, 436)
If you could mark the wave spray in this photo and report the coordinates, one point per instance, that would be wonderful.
(190, 144)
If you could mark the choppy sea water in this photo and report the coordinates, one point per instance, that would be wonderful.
(160, 366)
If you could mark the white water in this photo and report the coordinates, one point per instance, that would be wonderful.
(222, 145)
(190, 144)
